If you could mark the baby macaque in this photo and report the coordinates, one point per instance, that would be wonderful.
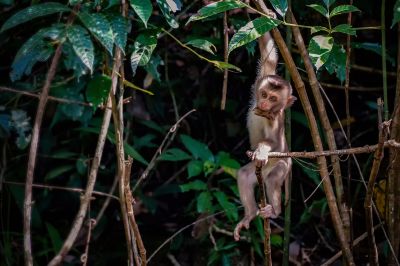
(265, 122)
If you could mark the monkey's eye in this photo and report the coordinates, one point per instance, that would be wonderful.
(273, 98)
(264, 94)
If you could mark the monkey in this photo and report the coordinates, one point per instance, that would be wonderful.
(271, 95)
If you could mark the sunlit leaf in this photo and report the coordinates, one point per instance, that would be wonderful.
(251, 31)
(322, 10)
(143, 8)
(319, 49)
(100, 27)
(165, 9)
(174, 5)
(222, 65)
(144, 46)
(342, 10)
(280, 6)
(328, 3)
(197, 149)
(316, 29)
(82, 45)
(98, 89)
(33, 12)
(345, 28)
(216, 8)
(203, 44)
(120, 27)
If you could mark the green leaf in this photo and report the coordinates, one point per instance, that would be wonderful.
(120, 28)
(229, 208)
(35, 49)
(216, 8)
(319, 49)
(194, 185)
(373, 47)
(252, 31)
(22, 125)
(98, 89)
(152, 66)
(320, 9)
(198, 149)
(166, 9)
(195, 168)
(143, 8)
(204, 203)
(174, 155)
(55, 237)
(222, 65)
(276, 240)
(100, 27)
(280, 6)
(203, 44)
(209, 167)
(345, 28)
(33, 12)
(328, 3)
(58, 171)
(343, 9)
(82, 45)
(144, 46)
(229, 165)
(319, 28)
(396, 13)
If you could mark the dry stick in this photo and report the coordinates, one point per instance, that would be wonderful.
(343, 207)
(355, 243)
(226, 41)
(372, 70)
(299, 85)
(85, 256)
(373, 252)
(77, 224)
(267, 228)
(51, 98)
(129, 205)
(348, 224)
(351, 88)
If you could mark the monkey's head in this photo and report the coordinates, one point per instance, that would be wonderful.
(273, 95)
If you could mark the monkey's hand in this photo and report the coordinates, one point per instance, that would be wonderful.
(245, 222)
(261, 153)
(267, 212)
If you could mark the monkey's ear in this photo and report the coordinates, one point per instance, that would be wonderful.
(290, 101)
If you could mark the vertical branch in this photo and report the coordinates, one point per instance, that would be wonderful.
(300, 87)
(384, 75)
(267, 228)
(34, 146)
(373, 252)
(288, 181)
(225, 82)
(348, 227)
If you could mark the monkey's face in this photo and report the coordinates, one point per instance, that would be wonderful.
(272, 96)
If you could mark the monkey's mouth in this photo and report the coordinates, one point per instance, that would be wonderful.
(267, 114)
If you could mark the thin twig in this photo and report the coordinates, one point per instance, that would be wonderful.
(70, 189)
(51, 98)
(159, 150)
(85, 256)
(226, 41)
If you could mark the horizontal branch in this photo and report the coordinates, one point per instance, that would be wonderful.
(315, 154)
(51, 98)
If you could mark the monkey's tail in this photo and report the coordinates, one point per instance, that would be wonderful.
(269, 55)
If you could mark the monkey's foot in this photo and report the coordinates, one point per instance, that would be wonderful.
(245, 222)
(267, 212)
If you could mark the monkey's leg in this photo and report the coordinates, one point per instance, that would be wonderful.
(274, 181)
(246, 182)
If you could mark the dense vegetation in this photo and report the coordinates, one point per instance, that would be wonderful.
(158, 71)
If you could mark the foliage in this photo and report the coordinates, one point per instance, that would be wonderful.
(173, 53)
